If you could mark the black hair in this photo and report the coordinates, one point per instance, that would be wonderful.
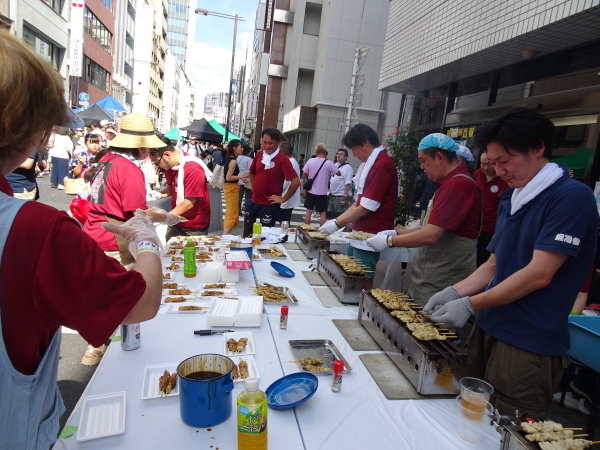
(343, 150)
(231, 146)
(517, 129)
(92, 137)
(273, 133)
(431, 151)
(286, 148)
(358, 134)
(96, 124)
(247, 150)
(158, 152)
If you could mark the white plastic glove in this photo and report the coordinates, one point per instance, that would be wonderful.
(160, 215)
(388, 233)
(138, 228)
(329, 227)
(378, 242)
(440, 299)
(455, 313)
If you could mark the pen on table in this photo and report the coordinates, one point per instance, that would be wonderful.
(211, 332)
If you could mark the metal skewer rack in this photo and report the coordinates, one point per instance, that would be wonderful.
(346, 287)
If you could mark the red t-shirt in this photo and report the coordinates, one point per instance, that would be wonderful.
(457, 204)
(270, 182)
(53, 274)
(118, 190)
(491, 198)
(381, 186)
(195, 188)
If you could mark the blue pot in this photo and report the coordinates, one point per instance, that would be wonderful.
(205, 403)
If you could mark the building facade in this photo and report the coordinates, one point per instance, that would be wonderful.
(323, 70)
(458, 73)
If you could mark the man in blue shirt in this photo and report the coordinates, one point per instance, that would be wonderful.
(22, 179)
(545, 243)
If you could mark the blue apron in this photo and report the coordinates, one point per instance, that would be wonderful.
(30, 405)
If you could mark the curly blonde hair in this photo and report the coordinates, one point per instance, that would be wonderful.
(31, 98)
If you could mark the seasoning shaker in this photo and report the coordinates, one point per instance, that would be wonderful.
(283, 318)
(338, 370)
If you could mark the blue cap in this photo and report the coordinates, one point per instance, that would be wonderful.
(438, 140)
(465, 153)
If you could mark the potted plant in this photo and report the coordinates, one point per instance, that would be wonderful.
(402, 147)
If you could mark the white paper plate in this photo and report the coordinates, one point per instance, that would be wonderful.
(194, 293)
(248, 350)
(252, 369)
(168, 253)
(170, 276)
(174, 308)
(188, 298)
(166, 268)
(101, 416)
(226, 292)
(151, 376)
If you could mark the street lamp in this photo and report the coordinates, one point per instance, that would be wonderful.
(205, 12)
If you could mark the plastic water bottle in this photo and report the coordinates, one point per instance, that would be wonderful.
(252, 417)
(189, 259)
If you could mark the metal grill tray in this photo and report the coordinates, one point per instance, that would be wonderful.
(290, 300)
(262, 252)
(311, 246)
(345, 286)
(319, 348)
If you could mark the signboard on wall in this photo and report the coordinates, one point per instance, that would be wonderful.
(270, 7)
(76, 42)
(252, 105)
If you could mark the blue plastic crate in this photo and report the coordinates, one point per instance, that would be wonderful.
(585, 340)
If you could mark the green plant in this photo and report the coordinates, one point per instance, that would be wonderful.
(402, 146)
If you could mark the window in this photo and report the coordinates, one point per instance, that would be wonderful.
(56, 5)
(95, 74)
(95, 28)
(108, 4)
(46, 49)
(312, 19)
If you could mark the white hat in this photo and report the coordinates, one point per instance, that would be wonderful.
(104, 122)
(465, 153)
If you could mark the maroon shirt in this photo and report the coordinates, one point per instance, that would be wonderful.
(270, 182)
(491, 198)
(457, 204)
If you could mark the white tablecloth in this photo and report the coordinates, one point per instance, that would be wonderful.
(358, 417)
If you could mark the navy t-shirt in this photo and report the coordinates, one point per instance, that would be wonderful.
(21, 179)
(563, 218)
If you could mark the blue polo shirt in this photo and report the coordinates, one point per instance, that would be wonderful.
(563, 218)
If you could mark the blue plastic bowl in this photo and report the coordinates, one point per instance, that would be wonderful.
(291, 390)
(282, 270)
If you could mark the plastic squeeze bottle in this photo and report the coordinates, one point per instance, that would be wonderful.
(189, 259)
(252, 417)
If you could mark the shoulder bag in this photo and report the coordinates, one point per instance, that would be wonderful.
(308, 183)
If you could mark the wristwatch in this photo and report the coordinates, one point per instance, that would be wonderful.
(389, 241)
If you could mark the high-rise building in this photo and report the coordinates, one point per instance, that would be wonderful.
(178, 27)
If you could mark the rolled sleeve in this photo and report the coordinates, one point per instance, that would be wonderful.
(371, 205)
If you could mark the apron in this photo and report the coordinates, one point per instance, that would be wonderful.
(30, 405)
(451, 259)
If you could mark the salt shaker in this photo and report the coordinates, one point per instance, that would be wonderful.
(338, 370)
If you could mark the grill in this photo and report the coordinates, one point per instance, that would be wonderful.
(433, 367)
(311, 246)
(345, 286)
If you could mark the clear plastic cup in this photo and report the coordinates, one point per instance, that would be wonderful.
(475, 386)
(473, 417)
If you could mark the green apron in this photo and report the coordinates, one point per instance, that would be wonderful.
(451, 259)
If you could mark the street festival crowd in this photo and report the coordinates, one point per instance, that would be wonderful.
(512, 244)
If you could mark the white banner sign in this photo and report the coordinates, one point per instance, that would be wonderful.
(252, 105)
(76, 57)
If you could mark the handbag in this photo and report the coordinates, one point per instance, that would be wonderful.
(309, 182)
(72, 185)
(218, 178)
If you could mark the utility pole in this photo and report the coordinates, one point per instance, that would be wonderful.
(358, 81)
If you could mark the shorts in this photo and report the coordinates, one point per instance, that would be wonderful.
(316, 202)
(266, 213)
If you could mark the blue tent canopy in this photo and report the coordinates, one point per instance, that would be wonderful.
(110, 104)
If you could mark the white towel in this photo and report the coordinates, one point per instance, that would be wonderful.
(267, 159)
(542, 180)
(182, 161)
(364, 168)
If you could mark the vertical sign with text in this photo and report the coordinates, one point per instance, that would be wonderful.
(76, 43)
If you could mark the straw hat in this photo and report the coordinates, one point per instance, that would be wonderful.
(137, 131)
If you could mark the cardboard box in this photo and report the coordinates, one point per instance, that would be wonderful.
(237, 260)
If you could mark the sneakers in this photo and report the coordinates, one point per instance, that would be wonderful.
(573, 403)
(61, 187)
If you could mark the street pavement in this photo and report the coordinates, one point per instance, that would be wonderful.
(73, 377)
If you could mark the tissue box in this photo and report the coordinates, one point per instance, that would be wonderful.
(237, 260)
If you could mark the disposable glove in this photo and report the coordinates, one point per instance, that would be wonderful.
(138, 228)
(160, 215)
(329, 227)
(378, 242)
(388, 233)
(440, 299)
(455, 313)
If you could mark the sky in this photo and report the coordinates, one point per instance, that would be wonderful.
(209, 58)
